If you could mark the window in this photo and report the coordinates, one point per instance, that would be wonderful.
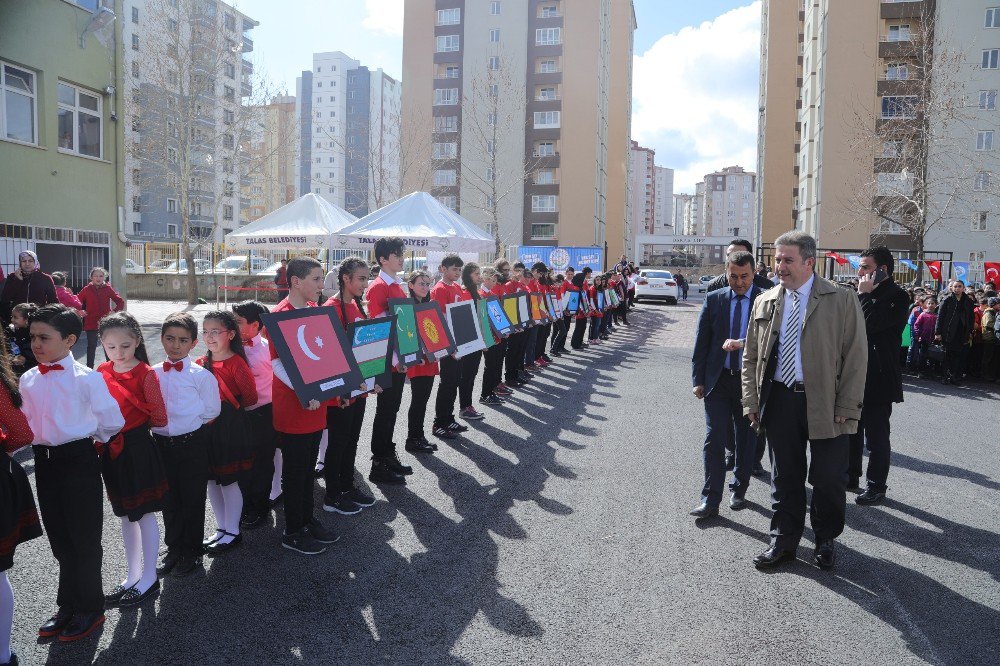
(546, 93)
(982, 181)
(446, 43)
(172, 229)
(984, 140)
(172, 78)
(979, 221)
(547, 67)
(543, 203)
(136, 177)
(993, 17)
(494, 63)
(449, 201)
(991, 58)
(546, 119)
(550, 11)
(448, 72)
(227, 165)
(446, 123)
(490, 174)
(445, 96)
(988, 99)
(136, 204)
(230, 70)
(899, 33)
(444, 151)
(229, 93)
(449, 16)
(194, 207)
(135, 42)
(444, 177)
(490, 146)
(319, 84)
(899, 106)
(543, 231)
(229, 21)
(227, 212)
(494, 90)
(18, 119)
(79, 124)
(227, 141)
(228, 117)
(171, 206)
(494, 35)
(491, 119)
(495, 8)
(544, 177)
(896, 72)
(135, 69)
(135, 15)
(544, 149)
(545, 36)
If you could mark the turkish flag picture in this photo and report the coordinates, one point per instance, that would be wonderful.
(314, 346)
(992, 271)
(934, 267)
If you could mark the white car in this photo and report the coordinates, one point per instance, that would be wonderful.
(656, 284)
(703, 282)
(133, 268)
(239, 264)
(201, 266)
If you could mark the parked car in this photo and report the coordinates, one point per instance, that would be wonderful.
(241, 264)
(703, 282)
(656, 284)
(132, 268)
(201, 266)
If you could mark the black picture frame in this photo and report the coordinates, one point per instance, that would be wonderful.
(451, 348)
(384, 378)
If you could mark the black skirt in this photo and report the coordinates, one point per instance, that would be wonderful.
(18, 517)
(231, 448)
(135, 480)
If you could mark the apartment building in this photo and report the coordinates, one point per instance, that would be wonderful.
(663, 209)
(274, 150)
(642, 208)
(683, 210)
(349, 124)
(523, 112)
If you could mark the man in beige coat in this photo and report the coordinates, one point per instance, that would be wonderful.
(804, 369)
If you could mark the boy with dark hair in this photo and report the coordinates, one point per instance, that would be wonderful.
(515, 374)
(448, 290)
(386, 467)
(19, 338)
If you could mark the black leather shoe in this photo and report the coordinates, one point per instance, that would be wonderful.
(252, 518)
(704, 511)
(167, 564)
(823, 555)
(730, 462)
(81, 626)
(55, 624)
(737, 503)
(418, 445)
(113, 597)
(186, 565)
(854, 484)
(393, 463)
(772, 557)
(758, 470)
(219, 547)
(870, 498)
(13, 660)
(382, 473)
(133, 597)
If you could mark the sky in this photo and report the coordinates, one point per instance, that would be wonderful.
(695, 71)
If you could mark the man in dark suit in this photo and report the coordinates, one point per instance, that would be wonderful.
(886, 308)
(715, 369)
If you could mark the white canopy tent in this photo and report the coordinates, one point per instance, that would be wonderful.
(309, 222)
(422, 221)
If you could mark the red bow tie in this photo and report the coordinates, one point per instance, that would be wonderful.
(178, 366)
(248, 343)
(46, 369)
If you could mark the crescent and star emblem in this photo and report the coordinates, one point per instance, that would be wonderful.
(318, 341)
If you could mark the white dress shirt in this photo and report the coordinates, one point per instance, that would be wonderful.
(259, 359)
(804, 292)
(191, 396)
(389, 279)
(66, 405)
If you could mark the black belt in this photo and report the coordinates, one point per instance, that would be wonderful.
(69, 450)
(797, 387)
(731, 373)
(177, 439)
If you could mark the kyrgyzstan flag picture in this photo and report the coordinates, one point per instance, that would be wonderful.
(314, 346)
(431, 328)
(934, 267)
(992, 271)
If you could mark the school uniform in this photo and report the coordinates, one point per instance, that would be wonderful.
(469, 365)
(18, 516)
(299, 431)
(544, 331)
(581, 317)
(256, 487)
(191, 394)
(514, 355)
(68, 406)
(560, 327)
(387, 403)
(451, 368)
(493, 359)
(134, 478)
(596, 317)
(231, 447)
(421, 383)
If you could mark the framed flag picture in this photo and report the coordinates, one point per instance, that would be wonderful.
(373, 342)
(573, 302)
(511, 310)
(543, 306)
(535, 302)
(499, 320)
(482, 310)
(436, 340)
(553, 304)
(408, 351)
(524, 309)
(463, 319)
(601, 301)
(315, 351)
(614, 297)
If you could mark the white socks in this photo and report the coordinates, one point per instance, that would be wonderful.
(142, 544)
(276, 479)
(323, 442)
(227, 505)
(6, 616)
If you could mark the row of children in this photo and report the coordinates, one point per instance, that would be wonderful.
(225, 427)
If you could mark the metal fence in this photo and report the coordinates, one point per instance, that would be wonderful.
(214, 258)
(829, 268)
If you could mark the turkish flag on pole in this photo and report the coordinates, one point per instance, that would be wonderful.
(992, 271)
(935, 269)
(836, 257)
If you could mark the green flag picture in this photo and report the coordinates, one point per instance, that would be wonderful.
(484, 322)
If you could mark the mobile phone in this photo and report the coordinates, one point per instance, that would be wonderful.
(879, 275)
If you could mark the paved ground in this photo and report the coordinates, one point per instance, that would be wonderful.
(557, 532)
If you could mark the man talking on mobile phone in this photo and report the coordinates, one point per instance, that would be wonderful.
(886, 307)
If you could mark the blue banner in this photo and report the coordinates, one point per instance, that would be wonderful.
(909, 264)
(961, 269)
(560, 258)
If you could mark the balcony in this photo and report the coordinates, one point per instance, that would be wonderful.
(894, 9)
(893, 47)
(897, 87)
(247, 45)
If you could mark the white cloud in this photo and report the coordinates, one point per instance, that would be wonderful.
(385, 16)
(695, 96)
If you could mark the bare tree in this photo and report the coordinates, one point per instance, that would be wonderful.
(197, 110)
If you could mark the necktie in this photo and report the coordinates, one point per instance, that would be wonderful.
(248, 343)
(46, 369)
(734, 333)
(168, 366)
(790, 343)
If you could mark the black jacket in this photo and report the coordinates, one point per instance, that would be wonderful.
(721, 282)
(955, 319)
(886, 310)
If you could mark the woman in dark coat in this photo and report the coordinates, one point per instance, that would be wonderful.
(28, 284)
(953, 330)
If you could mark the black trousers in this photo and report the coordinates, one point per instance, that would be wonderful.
(559, 339)
(257, 485)
(788, 434)
(444, 402)
(513, 358)
(470, 368)
(186, 464)
(543, 337)
(873, 428)
(578, 332)
(420, 395)
(386, 410)
(725, 424)
(955, 355)
(93, 340)
(298, 476)
(344, 432)
(494, 367)
(71, 500)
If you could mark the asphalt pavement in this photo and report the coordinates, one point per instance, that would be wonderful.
(557, 532)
